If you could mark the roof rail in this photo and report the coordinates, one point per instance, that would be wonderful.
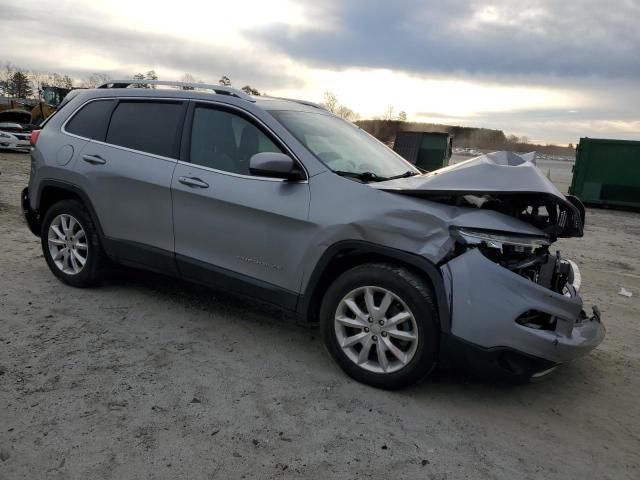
(221, 89)
(303, 102)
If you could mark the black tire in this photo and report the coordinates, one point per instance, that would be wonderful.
(415, 292)
(93, 270)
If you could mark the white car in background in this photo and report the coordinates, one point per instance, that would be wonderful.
(14, 136)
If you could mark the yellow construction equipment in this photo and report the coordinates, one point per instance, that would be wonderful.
(50, 99)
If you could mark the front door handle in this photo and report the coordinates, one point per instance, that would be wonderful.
(193, 182)
(94, 159)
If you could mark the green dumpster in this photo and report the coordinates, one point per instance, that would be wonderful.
(426, 150)
(607, 172)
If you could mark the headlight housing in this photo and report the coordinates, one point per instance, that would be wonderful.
(496, 239)
(4, 135)
(525, 255)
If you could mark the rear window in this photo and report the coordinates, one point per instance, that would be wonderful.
(151, 127)
(92, 120)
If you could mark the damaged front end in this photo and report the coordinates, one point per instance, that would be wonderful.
(510, 295)
(520, 304)
(515, 299)
(524, 255)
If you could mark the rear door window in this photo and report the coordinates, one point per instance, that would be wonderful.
(92, 120)
(152, 127)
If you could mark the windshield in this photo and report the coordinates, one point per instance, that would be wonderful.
(343, 147)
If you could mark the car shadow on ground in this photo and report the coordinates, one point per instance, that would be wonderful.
(195, 295)
(457, 384)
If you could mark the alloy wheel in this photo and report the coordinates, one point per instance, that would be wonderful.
(376, 330)
(67, 243)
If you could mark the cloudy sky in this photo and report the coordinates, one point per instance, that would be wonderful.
(552, 70)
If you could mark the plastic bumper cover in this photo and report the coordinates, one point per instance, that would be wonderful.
(31, 217)
(486, 299)
(15, 144)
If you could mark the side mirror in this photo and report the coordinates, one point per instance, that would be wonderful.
(274, 165)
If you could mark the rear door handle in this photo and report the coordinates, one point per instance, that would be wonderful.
(193, 182)
(94, 159)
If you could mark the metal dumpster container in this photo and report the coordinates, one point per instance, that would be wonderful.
(607, 172)
(426, 150)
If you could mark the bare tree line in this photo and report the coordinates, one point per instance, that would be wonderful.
(20, 83)
(331, 103)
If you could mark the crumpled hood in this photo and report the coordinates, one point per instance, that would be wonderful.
(512, 178)
(497, 172)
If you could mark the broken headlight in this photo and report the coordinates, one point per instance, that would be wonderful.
(522, 254)
(526, 255)
(499, 240)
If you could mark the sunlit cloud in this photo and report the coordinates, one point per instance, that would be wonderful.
(371, 91)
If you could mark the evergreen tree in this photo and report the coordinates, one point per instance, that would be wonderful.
(19, 85)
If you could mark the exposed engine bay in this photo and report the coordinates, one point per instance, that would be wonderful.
(555, 218)
(526, 256)
(540, 266)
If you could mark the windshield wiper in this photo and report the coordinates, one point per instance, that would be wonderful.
(364, 176)
(372, 177)
(406, 174)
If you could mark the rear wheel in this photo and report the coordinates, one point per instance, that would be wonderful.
(379, 324)
(70, 244)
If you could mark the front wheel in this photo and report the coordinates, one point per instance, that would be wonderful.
(380, 324)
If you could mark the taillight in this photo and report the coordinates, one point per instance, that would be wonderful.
(34, 137)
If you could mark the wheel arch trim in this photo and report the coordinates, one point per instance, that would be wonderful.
(71, 188)
(361, 247)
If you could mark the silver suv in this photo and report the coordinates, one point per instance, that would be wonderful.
(282, 201)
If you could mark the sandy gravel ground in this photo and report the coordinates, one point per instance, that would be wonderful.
(149, 377)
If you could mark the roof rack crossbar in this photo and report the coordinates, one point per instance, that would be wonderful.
(221, 89)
